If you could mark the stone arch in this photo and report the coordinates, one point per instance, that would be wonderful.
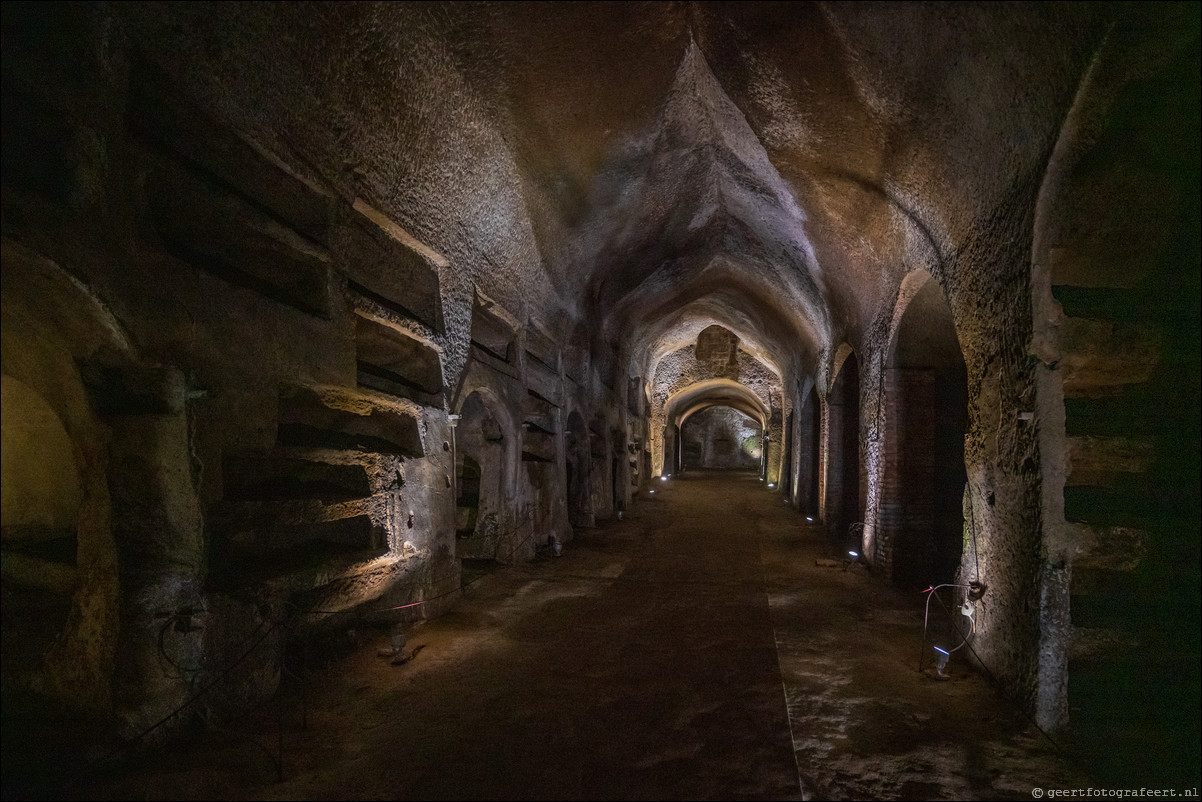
(41, 496)
(721, 436)
(41, 488)
(843, 485)
(1114, 313)
(484, 457)
(578, 470)
(787, 479)
(688, 400)
(808, 456)
(61, 607)
(920, 523)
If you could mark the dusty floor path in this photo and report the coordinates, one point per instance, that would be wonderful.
(694, 650)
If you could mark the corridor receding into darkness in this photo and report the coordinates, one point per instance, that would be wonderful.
(652, 660)
(600, 400)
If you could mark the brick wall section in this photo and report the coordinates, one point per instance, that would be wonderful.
(905, 546)
(844, 473)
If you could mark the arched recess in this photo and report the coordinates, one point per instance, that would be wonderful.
(600, 469)
(578, 467)
(41, 498)
(1115, 296)
(484, 456)
(808, 440)
(921, 522)
(700, 395)
(62, 615)
(786, 478)
(620, 469)
(843, 488)
(721, 437)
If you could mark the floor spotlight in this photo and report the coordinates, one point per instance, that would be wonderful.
(941, 658)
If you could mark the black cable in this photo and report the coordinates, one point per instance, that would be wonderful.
(92, 765)
(997, 684)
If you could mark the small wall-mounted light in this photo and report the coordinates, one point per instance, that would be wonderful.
(810, 518)
(651, 491)
(663, 478)
(772, 484)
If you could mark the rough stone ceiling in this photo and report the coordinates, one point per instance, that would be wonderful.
(642, 169)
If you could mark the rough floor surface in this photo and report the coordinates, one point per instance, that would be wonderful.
(705, 647)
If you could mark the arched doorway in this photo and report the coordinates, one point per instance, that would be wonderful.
(577, 459)
(722, 438)
(809, 438)
(926, 412)
(844, 485)
(480, 465)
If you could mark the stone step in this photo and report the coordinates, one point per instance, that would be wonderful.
(273, 539)
(1098, 357)
(1127, 501)
(1100, 460)
(276, 478)
(394, 362)
(247, 515)
(1117, 548)
(341, 419)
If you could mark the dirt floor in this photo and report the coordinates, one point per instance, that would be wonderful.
(697, 649)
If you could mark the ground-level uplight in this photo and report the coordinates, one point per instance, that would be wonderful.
(941, 658)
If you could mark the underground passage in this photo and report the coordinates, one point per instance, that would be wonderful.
(664, 400)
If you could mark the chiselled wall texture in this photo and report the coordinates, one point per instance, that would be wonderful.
(309, 303)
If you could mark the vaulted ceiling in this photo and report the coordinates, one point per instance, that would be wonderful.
(634, 172)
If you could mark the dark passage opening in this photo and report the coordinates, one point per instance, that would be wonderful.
(922, 521)
(721, 438)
